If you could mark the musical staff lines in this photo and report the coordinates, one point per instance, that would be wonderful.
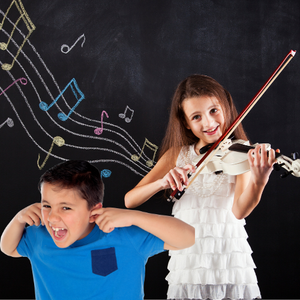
(117, 149)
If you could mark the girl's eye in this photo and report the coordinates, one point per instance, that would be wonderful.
(197, 117)
(214, 110)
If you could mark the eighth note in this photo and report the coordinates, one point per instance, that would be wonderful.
(152, 147)
(123, 115)
(99, 131)
(70, 48)
(22, 80)
(45, 107)
(58, 141)
(9, 122)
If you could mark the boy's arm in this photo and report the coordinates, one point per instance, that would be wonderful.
(175, 233)
(13, 232)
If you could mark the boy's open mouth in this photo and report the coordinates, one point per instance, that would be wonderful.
(58, 233)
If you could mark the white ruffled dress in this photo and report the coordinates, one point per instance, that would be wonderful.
(219, 265)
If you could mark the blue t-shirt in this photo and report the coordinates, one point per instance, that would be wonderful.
(100, 266)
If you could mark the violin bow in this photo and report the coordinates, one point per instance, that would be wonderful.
(214, 148)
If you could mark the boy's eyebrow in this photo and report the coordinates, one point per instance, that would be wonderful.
(61, 203)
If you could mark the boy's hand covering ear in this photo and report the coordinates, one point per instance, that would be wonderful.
(109, 218)
(31, 215)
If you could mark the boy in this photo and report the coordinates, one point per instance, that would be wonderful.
(72, 258)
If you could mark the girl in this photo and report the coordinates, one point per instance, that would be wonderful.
(219, 265)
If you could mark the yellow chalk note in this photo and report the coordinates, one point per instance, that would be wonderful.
(149, 145)
(58, 141)
(30, 26)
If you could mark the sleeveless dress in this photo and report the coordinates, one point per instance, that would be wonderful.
(219, 265)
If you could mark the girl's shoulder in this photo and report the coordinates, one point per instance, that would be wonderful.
(186, 155)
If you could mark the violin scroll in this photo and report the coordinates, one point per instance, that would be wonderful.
(291, 165)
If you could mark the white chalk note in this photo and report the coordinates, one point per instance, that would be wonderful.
(127, 114)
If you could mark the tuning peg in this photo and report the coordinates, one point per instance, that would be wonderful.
(295, 155)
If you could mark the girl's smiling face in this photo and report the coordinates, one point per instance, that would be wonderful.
(65, 215)
(204, 117)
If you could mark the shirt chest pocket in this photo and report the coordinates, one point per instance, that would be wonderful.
(104, 261)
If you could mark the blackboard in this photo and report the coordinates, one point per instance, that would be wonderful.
(110, 68)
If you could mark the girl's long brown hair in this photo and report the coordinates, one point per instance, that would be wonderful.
(177, 135)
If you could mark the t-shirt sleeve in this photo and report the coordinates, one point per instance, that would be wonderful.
(27, 241)
(144, 242)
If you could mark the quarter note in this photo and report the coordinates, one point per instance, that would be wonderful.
(30, 26)
(77, 93)
(149, 145)
(58, 141)
(68, 49)
(9, 122)
(99, 131)
(123, 115)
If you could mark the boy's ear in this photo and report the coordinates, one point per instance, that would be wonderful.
(93, 217)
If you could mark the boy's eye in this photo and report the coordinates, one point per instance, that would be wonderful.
(66, 208)
(46, 206)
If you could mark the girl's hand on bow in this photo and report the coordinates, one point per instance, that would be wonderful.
(177, 177)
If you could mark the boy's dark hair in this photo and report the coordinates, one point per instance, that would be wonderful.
(79, 175)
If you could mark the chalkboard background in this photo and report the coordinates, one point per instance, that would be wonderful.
(133, 54)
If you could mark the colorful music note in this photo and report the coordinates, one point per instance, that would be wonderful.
(30, 26)
(123, 115)
(105, 173)
(45, 107)
(9, 122)
(99, 131)
(22, 81)
(70, 48)
(58, 141)
(149, 145)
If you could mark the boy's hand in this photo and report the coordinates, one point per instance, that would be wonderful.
(109, 218)
(31, 215)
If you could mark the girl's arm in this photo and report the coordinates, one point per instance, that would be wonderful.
(175, 233)
(163, 176)
(13, 232)
(250, 185)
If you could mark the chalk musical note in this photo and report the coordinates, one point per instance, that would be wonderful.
(58, 141)
(30, 26)
(70, 48)
(149, 145)
(45, 107)
(99, 131)
(22, 81)
(9, 122)
(123, 115)
(105, 173)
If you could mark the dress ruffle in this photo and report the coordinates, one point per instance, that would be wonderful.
(218, 292)
(219, 265)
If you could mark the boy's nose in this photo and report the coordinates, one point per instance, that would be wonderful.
(53, 217)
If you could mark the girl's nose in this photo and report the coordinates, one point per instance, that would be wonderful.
(207, 120)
